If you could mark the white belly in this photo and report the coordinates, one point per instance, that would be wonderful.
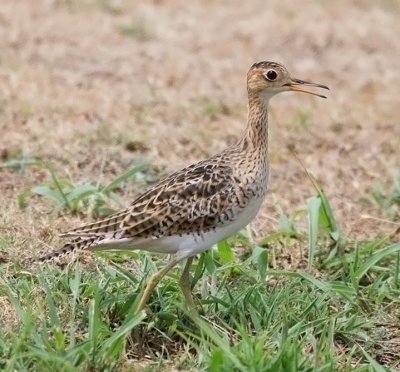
(188, 244)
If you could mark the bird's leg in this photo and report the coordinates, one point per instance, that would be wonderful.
(154, 280)
(184, 283)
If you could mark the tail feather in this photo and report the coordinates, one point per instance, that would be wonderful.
(66, 249)
(74, 245)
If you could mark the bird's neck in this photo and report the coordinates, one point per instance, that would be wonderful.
(255, 139)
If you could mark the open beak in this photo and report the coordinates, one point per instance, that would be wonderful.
(297, 85)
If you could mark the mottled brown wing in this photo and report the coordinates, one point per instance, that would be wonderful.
(197, 198)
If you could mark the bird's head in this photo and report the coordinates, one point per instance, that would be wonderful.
(266, 79)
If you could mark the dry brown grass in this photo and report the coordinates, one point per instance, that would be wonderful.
(81, 81)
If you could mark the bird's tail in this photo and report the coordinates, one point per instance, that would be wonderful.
(72, 246)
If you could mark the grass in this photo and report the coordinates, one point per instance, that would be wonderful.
(388, 200)
(90, 198)
(77, 319)
(338, 313)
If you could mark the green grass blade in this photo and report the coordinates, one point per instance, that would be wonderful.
(260, 258)
(397, 271)
(376, 367)
(375, 258)
(58, 185)
(49, 193)
(326, 209)
(126, 327)
(95, 323)
(313, 208)
(200, 267)
(81, 192)
(327, 212)
(225, 252)
(335, 287)
(209, 262)
(20, 164)
(140, 167)
(53, 358)
(55, 321)
(219, 341)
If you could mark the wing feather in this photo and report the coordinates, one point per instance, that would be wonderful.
(193, 200)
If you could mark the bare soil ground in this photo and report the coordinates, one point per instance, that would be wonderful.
(93, 86)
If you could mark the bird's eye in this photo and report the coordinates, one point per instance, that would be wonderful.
(271, 75)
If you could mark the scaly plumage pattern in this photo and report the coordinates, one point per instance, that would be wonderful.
(194, 208)
(195, 200)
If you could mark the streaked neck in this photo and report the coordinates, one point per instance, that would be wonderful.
(256, 134)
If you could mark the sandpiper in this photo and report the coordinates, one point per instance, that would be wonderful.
(190, 210)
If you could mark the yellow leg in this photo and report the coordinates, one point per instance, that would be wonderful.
(184, 283)
(153, 281)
